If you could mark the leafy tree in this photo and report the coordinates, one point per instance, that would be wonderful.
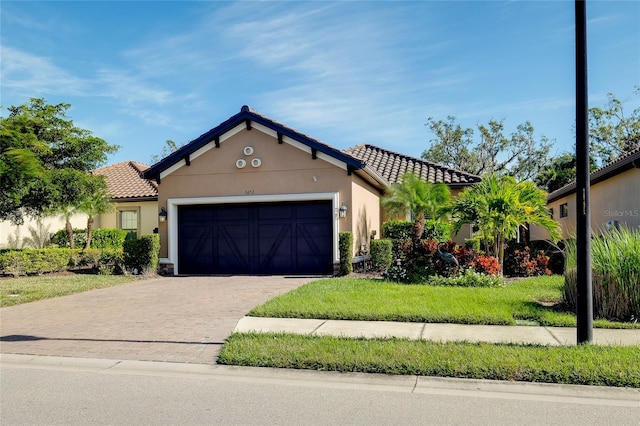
(39, 144)
(520, 155)
(611, 131)
(559, 172)
(498, 205)
(169, 147)
(424, 200)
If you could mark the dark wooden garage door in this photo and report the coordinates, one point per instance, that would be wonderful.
(259, 238)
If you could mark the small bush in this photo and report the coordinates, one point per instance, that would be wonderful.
(381, 257)
(397, 230)
(106, 238)
(345, 246)
(142, 254)
(468, 278)
(524, 262)
(402, 229)
(111, 262)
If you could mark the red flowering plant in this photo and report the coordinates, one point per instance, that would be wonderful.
(522, 262)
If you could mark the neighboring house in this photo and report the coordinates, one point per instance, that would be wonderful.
(136, 210)
(15, 236)
(614, 198)
(136, 199)
(253, 196)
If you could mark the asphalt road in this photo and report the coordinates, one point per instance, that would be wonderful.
(71, 391)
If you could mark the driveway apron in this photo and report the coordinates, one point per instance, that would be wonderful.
(177, 319)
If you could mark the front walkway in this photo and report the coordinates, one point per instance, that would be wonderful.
(555, 336)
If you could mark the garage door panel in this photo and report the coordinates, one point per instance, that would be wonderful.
(272, 238)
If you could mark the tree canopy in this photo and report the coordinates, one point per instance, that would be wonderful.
(519, 155)
(612, 130)
(45, 160)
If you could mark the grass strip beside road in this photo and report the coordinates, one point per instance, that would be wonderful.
(581, 365)
(533, 299)
(14, 291)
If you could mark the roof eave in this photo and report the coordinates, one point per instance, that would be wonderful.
(602, 174)
(247, 114)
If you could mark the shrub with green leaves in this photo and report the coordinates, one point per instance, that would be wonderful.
(381, 257)
(401, 230)
(345, 247)
(467, 278)
(34, 261)
(108, 238)
(142, 254)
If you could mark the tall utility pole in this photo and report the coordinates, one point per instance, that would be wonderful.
(583, 217)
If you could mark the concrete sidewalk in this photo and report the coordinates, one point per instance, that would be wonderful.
(519, 334)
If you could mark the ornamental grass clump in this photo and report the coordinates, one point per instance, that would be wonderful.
(615, 262)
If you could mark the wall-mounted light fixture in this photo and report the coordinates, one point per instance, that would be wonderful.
(162, 216)
(343, 210)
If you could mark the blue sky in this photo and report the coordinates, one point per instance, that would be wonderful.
(138, 73)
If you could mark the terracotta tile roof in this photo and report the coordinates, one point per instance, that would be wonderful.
(628, 160)
(392, 165)
(125, 181)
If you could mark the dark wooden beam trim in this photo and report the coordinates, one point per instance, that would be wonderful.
(217, 141)
(248, 123)
(158, 180)
(187, 160)
(314, 153)
(280, 141)
(350, 169)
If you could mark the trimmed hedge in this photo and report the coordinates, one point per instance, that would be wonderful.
(106, 238)
(34, 261)
(401, 230)
(101, 238)
(381, 256)
(345, 246)
(142, 254)
(43, 261)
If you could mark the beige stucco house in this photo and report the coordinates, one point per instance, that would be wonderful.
(254, 196)
(136, 199)
(136, 207)
(614, 198)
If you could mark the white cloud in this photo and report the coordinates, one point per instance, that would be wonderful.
(31, 75)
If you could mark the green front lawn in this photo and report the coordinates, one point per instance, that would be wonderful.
(14, 291)
(584, 365)
(522, 301)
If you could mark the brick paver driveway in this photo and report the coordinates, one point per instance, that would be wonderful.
(182, 319)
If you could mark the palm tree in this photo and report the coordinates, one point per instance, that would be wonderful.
(67, 211)
(424, 200)
(498, 205)
(95, 203)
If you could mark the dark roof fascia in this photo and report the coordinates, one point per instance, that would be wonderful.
(133, 199)
(614, 168)
(247, 114)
